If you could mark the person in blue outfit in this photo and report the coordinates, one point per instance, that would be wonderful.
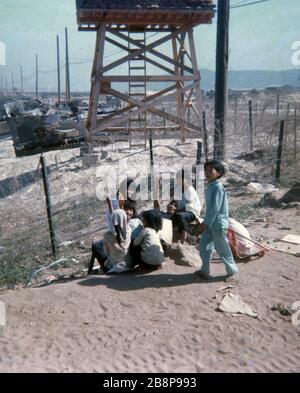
(215, 225)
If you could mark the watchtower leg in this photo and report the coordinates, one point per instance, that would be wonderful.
(96, 72)
(199, 102)
(176, 57)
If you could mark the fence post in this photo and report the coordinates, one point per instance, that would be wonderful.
(256, 116)
(295, 133)
(199, 153)
(279, 152)
(287, 124)
(277, 105)
(189, 114)
(205, 136)
(235, 112)
(48, 203)
(250, 124)
(152, 186)
(198, 161)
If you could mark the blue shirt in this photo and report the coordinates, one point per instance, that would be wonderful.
(216, 214)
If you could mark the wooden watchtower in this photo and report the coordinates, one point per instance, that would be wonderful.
(131, 27)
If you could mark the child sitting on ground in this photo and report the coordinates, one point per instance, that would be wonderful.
(114, 247)
(189, 208)
(147, 251)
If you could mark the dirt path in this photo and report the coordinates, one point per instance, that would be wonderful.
(160, 322)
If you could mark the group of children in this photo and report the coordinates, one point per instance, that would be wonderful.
(136, 242)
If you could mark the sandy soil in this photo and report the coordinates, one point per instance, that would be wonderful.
(160, 322)
(165, 321)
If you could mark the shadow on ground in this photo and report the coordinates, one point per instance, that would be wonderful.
(136, 281)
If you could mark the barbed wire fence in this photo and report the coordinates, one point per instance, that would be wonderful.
(77, 212)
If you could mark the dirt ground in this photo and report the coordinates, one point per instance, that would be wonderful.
(160, 322)
(166, 321)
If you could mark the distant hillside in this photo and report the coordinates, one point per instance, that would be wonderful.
(253, 79)
(240, 80)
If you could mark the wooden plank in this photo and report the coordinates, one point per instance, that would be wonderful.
(148, 17)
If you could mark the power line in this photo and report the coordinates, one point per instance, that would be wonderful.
(241, 2)
(245, 5)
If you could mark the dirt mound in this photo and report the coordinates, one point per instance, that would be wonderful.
(184, 255)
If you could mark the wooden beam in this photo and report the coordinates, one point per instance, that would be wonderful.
(142, 107)
(188, 99)
(138, 52)
(97, 69)
(142, 78)
(150, 48)
(131, 106)
(179, 86)
(199, 104)
(142, 57)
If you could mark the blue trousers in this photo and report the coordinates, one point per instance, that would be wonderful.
(181, 219)
(99, 254)
(216, 239)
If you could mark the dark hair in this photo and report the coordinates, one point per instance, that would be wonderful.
(128, 205)
(153, 219)
(217, 165)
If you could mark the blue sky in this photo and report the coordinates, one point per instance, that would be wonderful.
(261, 37)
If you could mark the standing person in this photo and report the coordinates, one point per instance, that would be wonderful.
(147, 250)
(216, 222)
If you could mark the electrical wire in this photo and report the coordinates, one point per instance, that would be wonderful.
(245, 5)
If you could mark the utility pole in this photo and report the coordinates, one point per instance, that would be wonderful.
(6, 86)
(68, 92)
(36, 76)
(221, 78)
(22, 85)
(58, 69)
